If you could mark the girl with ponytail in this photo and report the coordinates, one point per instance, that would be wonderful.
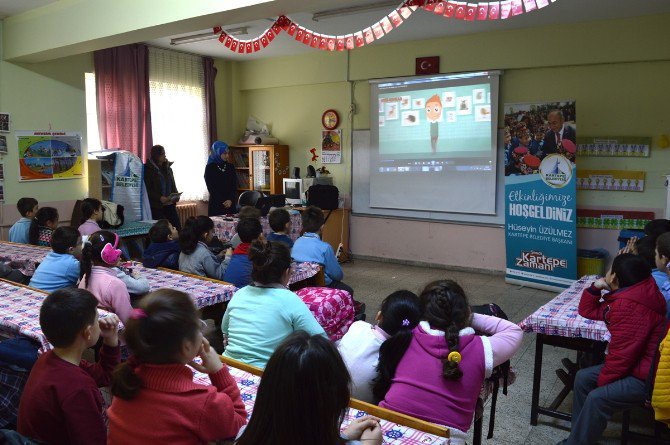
(261, 315)
(360, 347)
(439, 374)
(91, 214)
(155, 398)
(42, 226)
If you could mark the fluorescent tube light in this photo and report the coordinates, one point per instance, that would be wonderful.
(241, 31)
(352, 10)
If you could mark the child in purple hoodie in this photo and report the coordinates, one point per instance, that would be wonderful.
(439, 375)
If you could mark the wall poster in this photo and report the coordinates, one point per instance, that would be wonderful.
(47, 155)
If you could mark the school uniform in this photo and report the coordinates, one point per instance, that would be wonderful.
(240, 267)
(310, 248)
(203, 262)
(56, 271)
(18, 233)
(162, 255)
(111, 293)
(280, 237)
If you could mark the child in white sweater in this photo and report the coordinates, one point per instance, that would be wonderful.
(399, 314)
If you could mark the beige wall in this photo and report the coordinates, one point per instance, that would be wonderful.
(616, 71)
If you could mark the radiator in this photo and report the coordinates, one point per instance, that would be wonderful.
(186, 210)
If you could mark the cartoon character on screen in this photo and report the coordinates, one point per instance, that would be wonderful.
(433, 115)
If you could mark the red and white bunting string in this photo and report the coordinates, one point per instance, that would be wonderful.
(460, 10)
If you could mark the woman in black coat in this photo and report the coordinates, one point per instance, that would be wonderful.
(221, 181)
(161, 188)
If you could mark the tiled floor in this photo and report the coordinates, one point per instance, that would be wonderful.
(372, 281)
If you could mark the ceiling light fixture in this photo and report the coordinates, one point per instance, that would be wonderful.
(241, 31)
(352, 10)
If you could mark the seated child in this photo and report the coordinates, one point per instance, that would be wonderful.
(99, 258)
(238, 271)
(260, 316)
(42, 226)
(155, 398)
(399, 314)
(27, 207)
(164, 248)
(303, 397)
(280, 223)
(246, 212)
(439, 374)
(60, 268)
(657, 227)
(634, 311)
(645, 247)
(91, 214)
(61, 402)
(195, 257)
(662, 260)
(310, 248)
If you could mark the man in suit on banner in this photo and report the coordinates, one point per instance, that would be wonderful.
(558, 130)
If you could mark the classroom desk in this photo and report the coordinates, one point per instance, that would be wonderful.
(397, 428)
(225, 228)
(24, 254)
(559, 324)
(20, 308)
(133, 228)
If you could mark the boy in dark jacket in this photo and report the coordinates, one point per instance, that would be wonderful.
(164, 248)
(240, 267)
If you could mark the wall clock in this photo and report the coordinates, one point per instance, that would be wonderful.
(330, 119)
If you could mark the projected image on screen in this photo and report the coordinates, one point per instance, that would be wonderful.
(436, 123)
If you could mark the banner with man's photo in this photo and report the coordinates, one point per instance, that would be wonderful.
(540, 194)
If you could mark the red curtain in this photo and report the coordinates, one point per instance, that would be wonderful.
(210, 98)
(122, 86)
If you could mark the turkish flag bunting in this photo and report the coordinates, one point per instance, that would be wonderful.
(340, 43)
(240, 47)
(369, 36)
(300, 34)
(450, 9)
(471, 12)
(270, 35)
(323, 42)
(264, 41)
(283, 22)
(460, 10)
(505, 9)
(360, 41)
(494, 10)
(395, 18)
(542, 3)
(292, 28)
(276, 28)
(377, 30)
(307, 38)
(530, 5)
(386, 25)
(429, 5)
(315, 40)
(439, 8)
(229, 40)
(517, 7)
(349, 41)
(405, 12)
(217, 29)
(249, 47)
(257, 45)
(222, 36)
(332, 41)
(233, 45)
(482, 11)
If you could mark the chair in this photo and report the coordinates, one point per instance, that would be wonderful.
(659, 429)
(248, 198)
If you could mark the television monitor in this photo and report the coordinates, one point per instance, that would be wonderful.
(293, 189)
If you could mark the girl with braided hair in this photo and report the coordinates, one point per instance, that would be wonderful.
(439, 374)
(261, 315)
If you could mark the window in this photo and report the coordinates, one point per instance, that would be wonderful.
(178, 121)
(92, 133)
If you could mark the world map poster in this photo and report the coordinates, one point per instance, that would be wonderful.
(45, 155)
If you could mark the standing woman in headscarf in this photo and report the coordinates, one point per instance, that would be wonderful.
(221, 181)
(159, 180)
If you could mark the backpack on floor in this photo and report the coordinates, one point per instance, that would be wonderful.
(500, 372)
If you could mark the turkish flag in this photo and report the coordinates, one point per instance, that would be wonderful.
(377, 30)
(229, 40)
(517, 7)
(323, 43)
(249, 47)
(494, 10)
(369, 36)
(240, 47)
(530, 5)
(315, 41)
(217, 29)
(292, 28)
(264, 41)
(405, 12)
(482, 11)
(439, 8)
(395, 18)
(332, 41)
(360, 41)
(233, 45)
(429, 5)
(505, 9)
(460, 11)
(222, 36)
(340, 43)
(283, 22)
(276, 28)
(349, 41)
(386, 25)
(450, 9)
(270, 35)
(300, 34)
(542, 3)
(257, 45)
(471, 11)
(307, 38)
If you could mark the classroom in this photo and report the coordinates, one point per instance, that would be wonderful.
(450, 215)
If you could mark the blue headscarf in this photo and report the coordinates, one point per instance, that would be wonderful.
(218, 148)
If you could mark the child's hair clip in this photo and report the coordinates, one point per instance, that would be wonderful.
(454, 356)
(405, 322)
(137, 313)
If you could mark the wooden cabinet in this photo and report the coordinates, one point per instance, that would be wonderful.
(260, 167)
